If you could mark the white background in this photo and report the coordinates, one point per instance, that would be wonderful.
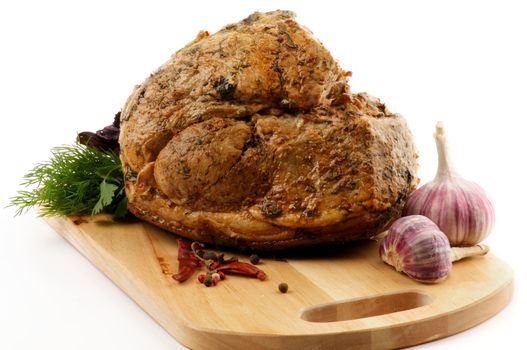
(68, 67)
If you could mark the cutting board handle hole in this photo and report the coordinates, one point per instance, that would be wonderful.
(366, 307)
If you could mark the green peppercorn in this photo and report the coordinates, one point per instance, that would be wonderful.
(200, 253)
(283, 287)
(254, 259)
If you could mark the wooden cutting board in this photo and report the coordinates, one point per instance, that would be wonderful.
(346, 298)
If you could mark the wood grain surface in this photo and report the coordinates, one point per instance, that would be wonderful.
(338, 299)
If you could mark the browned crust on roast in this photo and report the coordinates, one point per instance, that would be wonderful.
(251, 138)
(364, 226)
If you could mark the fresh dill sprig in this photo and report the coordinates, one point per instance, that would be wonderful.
(75, 180)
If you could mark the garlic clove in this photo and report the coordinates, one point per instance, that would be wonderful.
(416, 246)
(460, 208)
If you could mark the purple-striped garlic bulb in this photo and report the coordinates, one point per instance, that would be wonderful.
(416, 246)
(459, 207)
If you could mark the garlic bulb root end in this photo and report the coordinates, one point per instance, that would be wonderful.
(392, 258)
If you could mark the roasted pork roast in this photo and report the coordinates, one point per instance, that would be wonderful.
(251, 138)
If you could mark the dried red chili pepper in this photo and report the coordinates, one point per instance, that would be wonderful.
(239, 268)
(188, 262)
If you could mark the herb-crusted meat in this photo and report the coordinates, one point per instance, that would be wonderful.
(250, 137)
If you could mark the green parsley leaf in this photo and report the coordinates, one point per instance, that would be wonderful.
(105, 197)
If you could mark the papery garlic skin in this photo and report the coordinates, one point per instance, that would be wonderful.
(416, 246)
(459, 207)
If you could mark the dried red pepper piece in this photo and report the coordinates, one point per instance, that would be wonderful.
(239, 268)
(188, 262)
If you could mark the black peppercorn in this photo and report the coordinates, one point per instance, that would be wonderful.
(254, 259)
(208, 281)
(208, 255)
(283, 287)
